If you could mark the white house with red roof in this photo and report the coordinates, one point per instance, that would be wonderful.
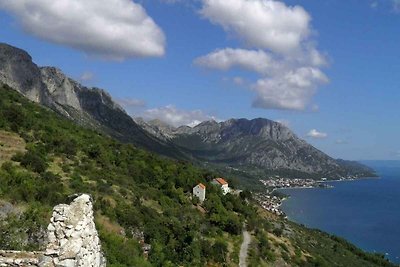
(200, 191)
(222, 184)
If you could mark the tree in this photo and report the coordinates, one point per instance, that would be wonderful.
(219, 250)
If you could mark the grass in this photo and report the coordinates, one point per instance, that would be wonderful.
(10, 144)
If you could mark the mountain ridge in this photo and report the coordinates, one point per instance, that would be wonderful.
(89, 107)
(258, 147)
(260, 143)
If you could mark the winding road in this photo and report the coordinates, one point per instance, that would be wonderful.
(244, 248)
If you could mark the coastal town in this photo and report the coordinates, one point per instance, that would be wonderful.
(272, 202)
(280, 183)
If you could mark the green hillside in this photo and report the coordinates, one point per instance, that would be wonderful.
(139, 196)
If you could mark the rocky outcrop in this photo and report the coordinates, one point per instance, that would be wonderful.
(62, 89)
(72, 240)
(18, 71)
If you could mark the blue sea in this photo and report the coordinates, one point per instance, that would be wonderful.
(365, 212)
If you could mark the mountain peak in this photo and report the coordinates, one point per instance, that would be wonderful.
(11, 51)
(91, 107)
(207, 123)
(18, 71)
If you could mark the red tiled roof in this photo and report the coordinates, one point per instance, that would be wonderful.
(221, 181)
(202, 186)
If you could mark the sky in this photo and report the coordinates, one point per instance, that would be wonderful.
(326, 69)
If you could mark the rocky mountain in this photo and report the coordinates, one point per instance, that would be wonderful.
(90, 107)
(258, 146)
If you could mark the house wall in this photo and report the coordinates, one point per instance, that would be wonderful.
(225, 189)
(200, 193)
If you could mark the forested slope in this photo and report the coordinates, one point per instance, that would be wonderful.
(140, 198)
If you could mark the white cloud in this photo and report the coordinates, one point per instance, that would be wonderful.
(264, 24)
(86, 76)
(111, 29)
(132, 106)
(292, 90)
(316, 134)
(131, 103)
(177, 117)
(284, 122)
(286, 83)
(290, 72)
(228, 58)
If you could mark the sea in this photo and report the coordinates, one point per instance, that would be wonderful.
(365, 212)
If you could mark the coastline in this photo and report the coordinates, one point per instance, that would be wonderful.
(273, 203)
(339, 200)
(320, 182)
(352, 179)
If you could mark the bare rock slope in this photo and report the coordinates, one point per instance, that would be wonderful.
(89, 107)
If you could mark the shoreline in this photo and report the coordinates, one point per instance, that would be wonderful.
(278, 204)
(328, 181)
(389, 256)
(350, 179)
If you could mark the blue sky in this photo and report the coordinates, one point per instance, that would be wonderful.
(327, 68)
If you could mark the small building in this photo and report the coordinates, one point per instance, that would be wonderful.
(200, 191)
(222, 184)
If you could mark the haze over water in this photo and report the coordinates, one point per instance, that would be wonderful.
(365, 212)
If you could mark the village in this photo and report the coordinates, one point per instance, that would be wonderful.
(268, 199)
(272, 202)
(280, 183)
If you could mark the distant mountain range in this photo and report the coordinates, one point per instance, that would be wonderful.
(256, 147)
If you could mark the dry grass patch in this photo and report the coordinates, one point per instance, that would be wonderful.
(10, 144)
(149, 203)
(108, 225)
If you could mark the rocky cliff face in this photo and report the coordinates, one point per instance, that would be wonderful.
(261, 144)
(18, 71)
(258, 144)
(72, 240)
(89, 107)
(63, 90)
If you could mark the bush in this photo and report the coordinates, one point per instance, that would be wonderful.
(218, 251)
(34, 162)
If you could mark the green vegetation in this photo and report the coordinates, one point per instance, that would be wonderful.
(135, 189)
(142, 197)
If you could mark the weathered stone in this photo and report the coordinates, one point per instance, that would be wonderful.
(72, 240)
